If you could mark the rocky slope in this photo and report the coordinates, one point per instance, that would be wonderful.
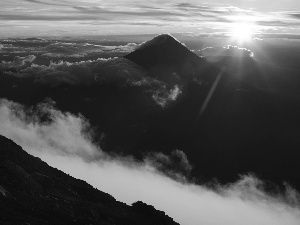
(32, 192)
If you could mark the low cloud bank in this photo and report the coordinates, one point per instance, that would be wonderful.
(56, 74)
(101, 71)
(76, 50)
(17, 62)
(60, 49)
(64, 141)
(229, 50)
(117, 71)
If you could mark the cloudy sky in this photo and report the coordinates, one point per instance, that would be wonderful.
(95, 17)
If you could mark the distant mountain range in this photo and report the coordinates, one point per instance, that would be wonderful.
(150, 101)
(32, 192)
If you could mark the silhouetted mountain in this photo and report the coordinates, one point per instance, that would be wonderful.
(162, 50)
(165, 58)
(31, 192)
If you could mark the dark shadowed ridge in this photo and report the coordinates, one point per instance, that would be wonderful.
(31, 192)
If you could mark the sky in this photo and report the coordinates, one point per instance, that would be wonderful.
(106, 17)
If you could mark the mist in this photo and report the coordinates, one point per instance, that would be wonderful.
(65, 141)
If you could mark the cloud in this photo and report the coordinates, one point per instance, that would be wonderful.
(53, 17)
(129, 47)
(229, 50)
(62, 73)
(127, 11)
(175, 165)
(101, 71)
(169, 15)
(65, 141)
(61, 56)
(10, 48)
(295, 15)
(163, 96)
(63, 49)
(17, 62)
(68, 48)
(50, 2)
(119, 72)
(61, 133)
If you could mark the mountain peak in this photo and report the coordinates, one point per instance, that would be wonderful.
(160, 40)
(162, 50)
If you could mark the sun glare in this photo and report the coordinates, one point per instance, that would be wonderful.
(242, 32)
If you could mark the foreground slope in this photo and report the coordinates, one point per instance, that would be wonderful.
(31, 192)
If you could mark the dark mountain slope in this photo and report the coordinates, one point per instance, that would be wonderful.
(31, 192)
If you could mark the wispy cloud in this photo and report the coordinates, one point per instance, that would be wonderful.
(50, 2)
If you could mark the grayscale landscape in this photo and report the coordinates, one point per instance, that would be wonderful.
(150, 112)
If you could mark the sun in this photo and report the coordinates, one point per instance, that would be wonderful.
(242, 32)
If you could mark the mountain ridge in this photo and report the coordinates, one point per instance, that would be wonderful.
(32, 192)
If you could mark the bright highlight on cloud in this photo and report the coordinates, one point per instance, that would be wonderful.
(64, 140)
(229, 50)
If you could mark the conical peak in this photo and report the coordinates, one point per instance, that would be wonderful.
(161, 50)
(162, 39)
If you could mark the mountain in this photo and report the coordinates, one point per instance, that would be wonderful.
(164, 56)
(162, 50)
(247, 127)
(32, 192)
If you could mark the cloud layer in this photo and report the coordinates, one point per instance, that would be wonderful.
(92, 17)
(17, 62)
(54, 49)
(117, 71)
(65, 141)
(229, 50)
